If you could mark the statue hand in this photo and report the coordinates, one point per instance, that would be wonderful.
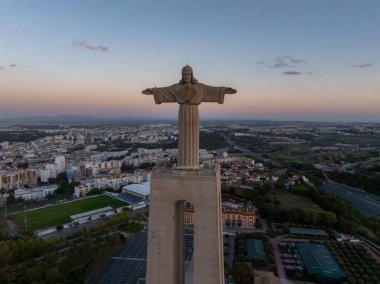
(230, 91)
(147, 92)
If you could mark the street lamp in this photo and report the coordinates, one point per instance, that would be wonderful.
(25, 218)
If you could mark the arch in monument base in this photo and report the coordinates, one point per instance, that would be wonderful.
(166, 222)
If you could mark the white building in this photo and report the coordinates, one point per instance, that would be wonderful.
(46, 174)
(60, 163)
(81, 190)
(35, 193)
(138, 189)
(52, 170)
(4, 145)
(114, 181)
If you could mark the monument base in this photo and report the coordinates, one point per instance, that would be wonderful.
(166, 218)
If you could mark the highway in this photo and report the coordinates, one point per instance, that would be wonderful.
(368, 204)
(247, 152)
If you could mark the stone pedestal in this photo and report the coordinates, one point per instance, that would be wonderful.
(165, 233)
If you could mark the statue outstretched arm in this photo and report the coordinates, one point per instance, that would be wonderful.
(147, 91)
(230, 91)
(162, 95)
(216, 94)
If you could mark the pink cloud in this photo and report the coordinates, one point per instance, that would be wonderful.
(292, 73)
(12, 65)
(286, 61)
(103, 48)
(364, 65)
(88, 46)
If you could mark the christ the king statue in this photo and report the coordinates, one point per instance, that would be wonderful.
(189, 94)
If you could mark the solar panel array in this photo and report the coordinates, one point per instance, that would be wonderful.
(319, 261)
(308, 232)
(129, 264)
(189, 242)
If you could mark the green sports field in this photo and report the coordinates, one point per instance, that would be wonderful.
(60, 213)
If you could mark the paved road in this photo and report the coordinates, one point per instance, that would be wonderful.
(277, 257)
(231, 239)
(368, 204)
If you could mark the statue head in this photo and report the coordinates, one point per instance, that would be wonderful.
(187, 76)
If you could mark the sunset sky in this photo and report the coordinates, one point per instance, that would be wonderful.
(288, 59)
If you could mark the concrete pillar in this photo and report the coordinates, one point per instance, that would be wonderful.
(188, 136)
(165, 232)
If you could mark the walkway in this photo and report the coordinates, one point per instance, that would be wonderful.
(231, 255)
(277, 257)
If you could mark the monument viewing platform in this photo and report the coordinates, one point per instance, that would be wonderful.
(200, 171)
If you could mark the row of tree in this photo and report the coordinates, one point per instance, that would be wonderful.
(32, 260)
(76, 265)
(365, 178)
(358, 266)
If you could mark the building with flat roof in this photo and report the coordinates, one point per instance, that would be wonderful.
(255, 249)
(85, 215)
(305, 232)
(18, 178)
(35, 193)
(233, 215)
(138, 189)
(81, 190)
(320, 263)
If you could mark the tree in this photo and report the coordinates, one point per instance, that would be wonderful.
(147, 165)
(242, 273)
(311, 216)
(126, 168)
(258, 223)
(110, 189)
(23, 165)
(94, 191)
(11, 199)
(53, 275)
(279, 184)
(315, 180)
(61, 177)
(361, 175)
(328, 218)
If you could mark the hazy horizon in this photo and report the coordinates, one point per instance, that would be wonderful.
(175, 118)
(289, 60)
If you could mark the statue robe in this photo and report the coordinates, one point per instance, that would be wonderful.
(189, 97)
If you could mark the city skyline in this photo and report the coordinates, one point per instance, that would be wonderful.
(289, 60)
